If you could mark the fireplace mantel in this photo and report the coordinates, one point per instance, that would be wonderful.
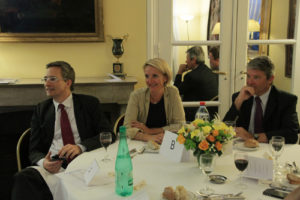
(28, 92)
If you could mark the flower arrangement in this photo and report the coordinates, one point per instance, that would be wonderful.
(205, 136)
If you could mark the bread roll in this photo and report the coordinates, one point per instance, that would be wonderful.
(169, 193)
(181, 193)
(251, 143)
(293, 179)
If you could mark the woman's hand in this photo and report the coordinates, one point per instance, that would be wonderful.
(140, 125)
(158, 138)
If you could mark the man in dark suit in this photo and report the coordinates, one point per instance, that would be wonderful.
(278, 116)
(200, 84)
(213, 55)
(85, 122)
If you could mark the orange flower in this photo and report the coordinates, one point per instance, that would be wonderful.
(210, 138)
(203, 145)
(181, 139)
(218, 145)
(215, 133)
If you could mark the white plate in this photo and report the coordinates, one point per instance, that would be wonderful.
(149, 150)
(242, 147)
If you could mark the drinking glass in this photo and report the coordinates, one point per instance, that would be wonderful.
(276, 145)
(105, 140)
(230, 123)
(207, 163)
(241, 163)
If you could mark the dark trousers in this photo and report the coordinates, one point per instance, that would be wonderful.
(29, 184)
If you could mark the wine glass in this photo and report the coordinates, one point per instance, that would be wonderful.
(241, 163)
(230, 123)
(105, 140)
(276, 146)
(207, 163)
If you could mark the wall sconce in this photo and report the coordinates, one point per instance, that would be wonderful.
(216, 29)
(253, 26)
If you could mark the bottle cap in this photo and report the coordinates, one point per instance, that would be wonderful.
(202, 103)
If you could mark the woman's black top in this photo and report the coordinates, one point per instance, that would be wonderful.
(157, 115)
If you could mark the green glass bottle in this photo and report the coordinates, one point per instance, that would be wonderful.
(123, 167)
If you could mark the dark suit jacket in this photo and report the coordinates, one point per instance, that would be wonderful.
(89, 119)
(201, 84)
(280, 118)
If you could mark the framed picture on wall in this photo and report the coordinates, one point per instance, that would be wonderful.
(51, 21)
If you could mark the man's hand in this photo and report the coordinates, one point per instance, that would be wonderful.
(262, 137)
(242, 133)
(70, 151)
(51, 166)
(182, 68)
(245, 93)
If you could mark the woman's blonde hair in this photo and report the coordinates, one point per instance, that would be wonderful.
(162, 66)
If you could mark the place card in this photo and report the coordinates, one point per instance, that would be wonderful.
(259, 168)
(91, 172)
(171, 149)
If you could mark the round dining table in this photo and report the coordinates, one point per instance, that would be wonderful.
(152, 172)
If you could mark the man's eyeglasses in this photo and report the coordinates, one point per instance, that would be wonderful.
(50, 78)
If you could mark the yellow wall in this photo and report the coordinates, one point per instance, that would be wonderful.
(27, 60)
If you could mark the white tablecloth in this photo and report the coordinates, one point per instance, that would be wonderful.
(158, 172)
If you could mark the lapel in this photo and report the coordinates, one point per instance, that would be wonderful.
(271, 104)
(78, 115)
(49, 122)
(166, 103)
(248, 107)
(146, 105)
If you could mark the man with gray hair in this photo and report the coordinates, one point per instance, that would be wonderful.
(261, 110)
(200, 84)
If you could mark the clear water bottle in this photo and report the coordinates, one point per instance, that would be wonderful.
(202, 112)
(123, 167)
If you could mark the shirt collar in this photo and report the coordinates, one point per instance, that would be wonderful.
(67, 102)
(264, 98)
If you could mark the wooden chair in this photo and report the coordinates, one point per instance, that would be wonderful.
(22, 150)
(119, 122)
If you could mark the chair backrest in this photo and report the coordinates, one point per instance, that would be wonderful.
(22, 150)
(119, 122)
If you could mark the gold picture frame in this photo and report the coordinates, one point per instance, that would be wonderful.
(51, 21)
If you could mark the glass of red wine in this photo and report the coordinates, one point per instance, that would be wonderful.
(105, 140)
(241, 163)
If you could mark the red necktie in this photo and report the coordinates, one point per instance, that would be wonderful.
(258, 119)
(66, 131)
